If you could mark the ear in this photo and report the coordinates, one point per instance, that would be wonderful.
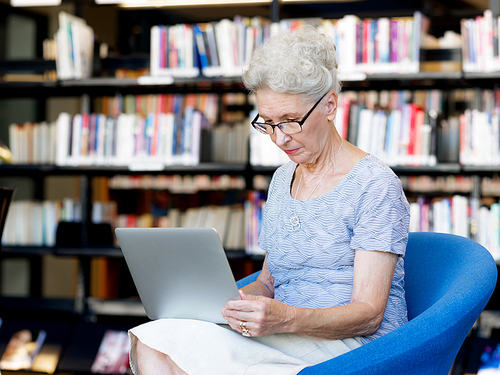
(332, 106)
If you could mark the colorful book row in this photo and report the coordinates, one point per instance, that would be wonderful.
(224, 48)
(178, 183)
(480, 43)
(32, 223)
(461, 216)
(396, 130)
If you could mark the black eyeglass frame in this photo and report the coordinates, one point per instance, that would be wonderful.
(280, 124)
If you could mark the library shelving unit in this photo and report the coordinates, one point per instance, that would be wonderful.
(78, 324)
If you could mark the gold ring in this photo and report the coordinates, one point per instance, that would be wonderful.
(244, 330)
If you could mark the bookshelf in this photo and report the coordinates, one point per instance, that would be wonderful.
(89, 317)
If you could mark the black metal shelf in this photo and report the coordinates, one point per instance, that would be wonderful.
(110, 252)
(98, 170)
(38, 303)
(438, 169)
(25, 250)
(218, 168)
(99, 86)
(35, 65)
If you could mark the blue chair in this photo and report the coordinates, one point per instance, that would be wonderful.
(449, 280)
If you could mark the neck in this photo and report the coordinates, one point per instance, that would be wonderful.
(324, 162)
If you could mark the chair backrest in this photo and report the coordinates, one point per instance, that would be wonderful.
(441, 266)
(448, 282)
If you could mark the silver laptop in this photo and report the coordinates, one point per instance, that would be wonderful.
(179, 272)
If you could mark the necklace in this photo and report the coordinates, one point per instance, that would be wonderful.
(294, 220)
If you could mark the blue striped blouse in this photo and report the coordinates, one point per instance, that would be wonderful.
(313, 267)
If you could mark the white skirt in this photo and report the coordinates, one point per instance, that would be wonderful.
(199, 347)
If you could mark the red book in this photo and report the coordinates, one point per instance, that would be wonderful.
(163, 46)
(413, 113)
(366, 36)
(462, 138)
(419, 123)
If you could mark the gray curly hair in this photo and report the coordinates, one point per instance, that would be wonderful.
(300, 61)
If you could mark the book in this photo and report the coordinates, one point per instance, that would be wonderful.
(490, 360)
(113, 354)
(22, 349)
(75, 47)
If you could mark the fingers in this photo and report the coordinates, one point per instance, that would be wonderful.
(248, 297)
(237, 315)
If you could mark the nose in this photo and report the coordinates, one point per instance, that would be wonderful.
(280, 138)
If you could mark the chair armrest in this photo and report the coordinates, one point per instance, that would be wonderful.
(247, 280)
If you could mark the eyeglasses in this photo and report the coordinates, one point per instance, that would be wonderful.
(287, 127)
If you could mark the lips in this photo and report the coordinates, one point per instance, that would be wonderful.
(290, 152)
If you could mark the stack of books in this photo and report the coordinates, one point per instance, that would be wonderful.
(254, 207)
(393, 126)
(480, 43)
(75, 48)
(214, 49)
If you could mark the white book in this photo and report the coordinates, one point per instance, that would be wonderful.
(365, 130)
(347, 50)
(190, 219)
(44, 152)
(124, 139)
(100, 139)
(110, 141)
(155, 50)
(14, 143)
(63, 129)
(224, 35)
(393, 144)
(426, 140)
(26, 218)
(76, 146)
(414, 217)
(404, 135)
(64, 62)
(52, 142)
(165, 138)
(85, 50)
(37, 218)
(378, 138)
(189, 46)
(196, 138)
(383, 40)
(217, 218)
(36, 141)
(50, 220)
(487, 38)
(242, 141)
(235, 239)
(484, 222)
(202, 217)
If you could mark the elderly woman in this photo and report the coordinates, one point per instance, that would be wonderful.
(335, 229)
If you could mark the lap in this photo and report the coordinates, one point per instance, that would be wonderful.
(200, 347)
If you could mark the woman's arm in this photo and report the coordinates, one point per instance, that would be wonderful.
(263, 286)
(373, 273)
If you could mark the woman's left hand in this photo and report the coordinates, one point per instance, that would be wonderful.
(261, 315)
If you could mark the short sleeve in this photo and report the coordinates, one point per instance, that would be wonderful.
(270, 213)
(382, 216)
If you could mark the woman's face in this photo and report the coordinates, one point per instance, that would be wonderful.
(314, 141)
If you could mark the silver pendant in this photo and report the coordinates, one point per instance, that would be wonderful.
(295, 222)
